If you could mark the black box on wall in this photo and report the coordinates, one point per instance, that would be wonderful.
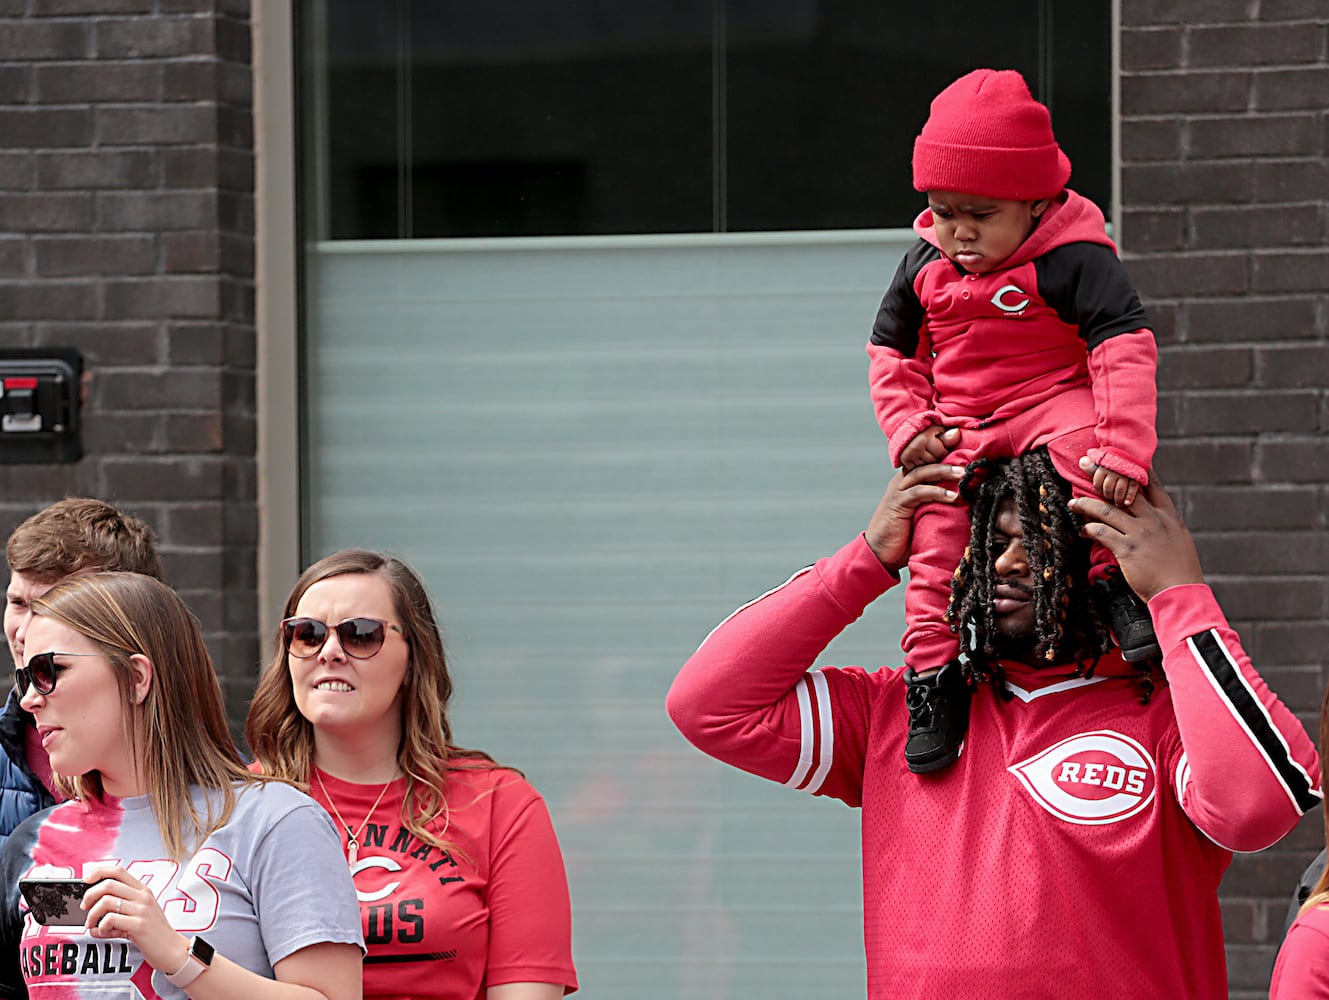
(40, 402)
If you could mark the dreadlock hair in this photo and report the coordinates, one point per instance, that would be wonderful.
(1067, 624)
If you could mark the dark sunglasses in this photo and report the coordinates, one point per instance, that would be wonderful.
(360, 638)
(41, 672)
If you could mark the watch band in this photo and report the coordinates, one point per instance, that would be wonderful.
(196, 963)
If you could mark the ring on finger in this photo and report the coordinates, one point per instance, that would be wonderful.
(118, 903)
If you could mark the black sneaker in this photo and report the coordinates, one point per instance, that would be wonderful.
(938, 718)
(1129, 617)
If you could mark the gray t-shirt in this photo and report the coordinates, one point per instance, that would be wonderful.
(273, 880)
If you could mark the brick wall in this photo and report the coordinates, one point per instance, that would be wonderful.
(126, 194)
(1224, 192)
(126, 182)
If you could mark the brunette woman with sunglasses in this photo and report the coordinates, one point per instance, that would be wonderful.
(462, 886)
(200, 876)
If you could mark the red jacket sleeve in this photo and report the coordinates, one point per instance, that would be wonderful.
(902, 395)
(1248, 770)
(900, 356)
(1122, 374)
(745, 696)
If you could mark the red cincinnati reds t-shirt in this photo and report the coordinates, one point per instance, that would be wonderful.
(448, 924)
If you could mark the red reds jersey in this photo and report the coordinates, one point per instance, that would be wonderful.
(1077, 844)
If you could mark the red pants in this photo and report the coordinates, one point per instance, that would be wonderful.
(1065, 424)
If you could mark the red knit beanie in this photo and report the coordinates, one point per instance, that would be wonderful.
(987, 136)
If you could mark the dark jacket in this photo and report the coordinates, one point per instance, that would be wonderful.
(21, 792)
(1308, 879)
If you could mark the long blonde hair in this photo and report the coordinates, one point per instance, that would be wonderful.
(282, 739)
(1320, 893)
(177, 735)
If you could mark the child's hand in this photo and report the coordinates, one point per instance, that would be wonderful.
(1150, 540)
(931, 445)
(1114, 487)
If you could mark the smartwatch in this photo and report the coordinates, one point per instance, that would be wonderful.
(196, 963)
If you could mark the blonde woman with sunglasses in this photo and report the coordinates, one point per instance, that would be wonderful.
(71, 537)
(462, 887)
(201, 878)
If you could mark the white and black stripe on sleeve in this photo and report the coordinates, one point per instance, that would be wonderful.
(1234, 690)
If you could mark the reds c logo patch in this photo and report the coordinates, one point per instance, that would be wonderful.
(1092, 778)
(1010, 299)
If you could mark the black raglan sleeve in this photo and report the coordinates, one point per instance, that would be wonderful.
(1089, 288)
(900, 316)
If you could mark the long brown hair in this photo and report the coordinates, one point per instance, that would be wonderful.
(177, 735)
(282, 739)
(1320, 894)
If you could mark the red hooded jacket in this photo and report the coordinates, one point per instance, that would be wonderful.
(959, 349)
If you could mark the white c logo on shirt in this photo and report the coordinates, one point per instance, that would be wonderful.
(1013, 307)
(387, 864)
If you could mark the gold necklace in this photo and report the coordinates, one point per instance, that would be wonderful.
(352, 838)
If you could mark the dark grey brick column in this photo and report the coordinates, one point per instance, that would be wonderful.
(1224, 187)
(126, 190)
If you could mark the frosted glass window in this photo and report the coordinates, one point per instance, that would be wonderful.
(585, 297)
(594, 451)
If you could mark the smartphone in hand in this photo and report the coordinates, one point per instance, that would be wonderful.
(55, 900)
